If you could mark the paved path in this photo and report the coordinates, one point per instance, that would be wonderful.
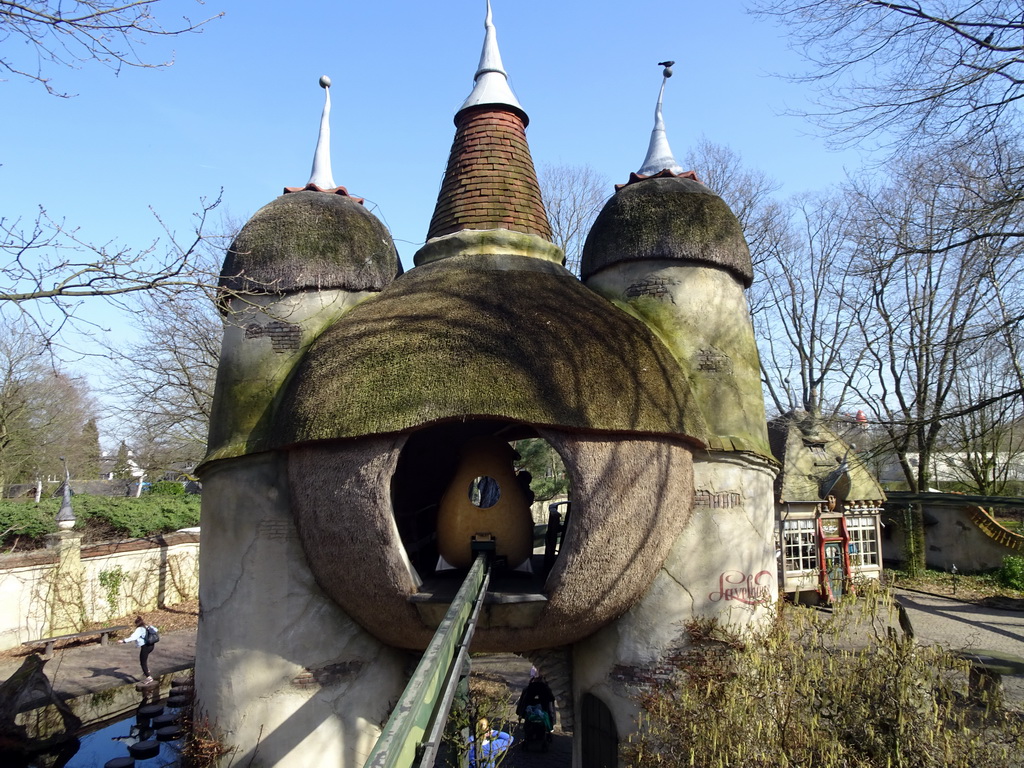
(91, 667)
(957, 625)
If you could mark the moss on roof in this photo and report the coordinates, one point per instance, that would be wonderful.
(667, 218)
(510, 337)
(310, 240)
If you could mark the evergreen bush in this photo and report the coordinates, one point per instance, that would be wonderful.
(26, 522)
(101, 518)
(166, 488)
(1011, 573)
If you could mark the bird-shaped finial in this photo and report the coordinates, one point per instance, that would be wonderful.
(659, 153)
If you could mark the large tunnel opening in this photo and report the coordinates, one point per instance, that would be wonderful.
(507, 471)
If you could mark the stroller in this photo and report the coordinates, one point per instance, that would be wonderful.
(535, 727)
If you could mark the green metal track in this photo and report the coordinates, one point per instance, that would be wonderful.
(413, 732)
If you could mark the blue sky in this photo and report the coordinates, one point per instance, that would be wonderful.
(240, 107)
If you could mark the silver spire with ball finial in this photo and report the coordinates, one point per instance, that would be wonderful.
(321, 175)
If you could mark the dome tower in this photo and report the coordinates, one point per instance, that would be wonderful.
(672, 250)
(297, 265)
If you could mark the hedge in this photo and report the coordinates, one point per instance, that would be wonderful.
(101, 518)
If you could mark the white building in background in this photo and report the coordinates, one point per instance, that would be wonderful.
(951, 466)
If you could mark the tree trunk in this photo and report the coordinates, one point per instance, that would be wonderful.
(912, 523)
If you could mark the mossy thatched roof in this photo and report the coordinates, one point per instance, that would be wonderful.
(307, 241)
(810, 454)
(510, 337)
(667, 218)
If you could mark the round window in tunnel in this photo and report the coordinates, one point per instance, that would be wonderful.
(484, 492)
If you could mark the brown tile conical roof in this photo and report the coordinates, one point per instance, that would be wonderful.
(490, 182)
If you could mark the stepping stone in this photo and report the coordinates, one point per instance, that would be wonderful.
(150, 710)
(168, 733)
(141, 750)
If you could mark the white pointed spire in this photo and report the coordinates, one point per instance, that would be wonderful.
(321, 175)
(491, 81)
(659, 153)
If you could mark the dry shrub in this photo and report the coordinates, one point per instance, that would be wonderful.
(839, 690)
(202, 747)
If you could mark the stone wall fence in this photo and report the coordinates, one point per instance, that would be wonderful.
(66, 587)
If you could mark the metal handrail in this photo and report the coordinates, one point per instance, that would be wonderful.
(410, 737)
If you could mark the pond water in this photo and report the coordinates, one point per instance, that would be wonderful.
(102, 742)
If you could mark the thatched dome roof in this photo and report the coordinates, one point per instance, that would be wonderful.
(310, 240)
(811, 454)
(671, 218)
(509, 337)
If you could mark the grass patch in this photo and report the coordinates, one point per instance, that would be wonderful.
(963, 586)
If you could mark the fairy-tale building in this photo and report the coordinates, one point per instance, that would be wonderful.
(828, 510)
(364, 433)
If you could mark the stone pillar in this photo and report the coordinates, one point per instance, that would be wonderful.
(65, 607)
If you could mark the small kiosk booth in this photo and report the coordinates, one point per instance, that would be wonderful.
(827, 511)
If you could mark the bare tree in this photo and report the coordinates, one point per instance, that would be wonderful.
(803, 326)
(43, 411)
(47, 267)
(750, 194)
(163, 385)
(923, 308)
(69, 33)
(914, 72)
(47, 264)
(573, 196)
(983, 448)
(799, 250)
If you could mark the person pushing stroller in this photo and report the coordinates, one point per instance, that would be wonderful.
(536, 708)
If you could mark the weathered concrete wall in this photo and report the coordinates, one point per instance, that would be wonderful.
(951, 538)
(280, 668)
(722, 566)
(264, 339)
(162, 570)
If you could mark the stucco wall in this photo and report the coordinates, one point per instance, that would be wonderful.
(721, 566)
(951, 538)
(264, 338)
(701, 313)
(280, 669)
(159, 571)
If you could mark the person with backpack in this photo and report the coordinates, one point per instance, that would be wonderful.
(145, 637)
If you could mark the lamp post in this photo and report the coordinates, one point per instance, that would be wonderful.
(66, 515)
(65, 597)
